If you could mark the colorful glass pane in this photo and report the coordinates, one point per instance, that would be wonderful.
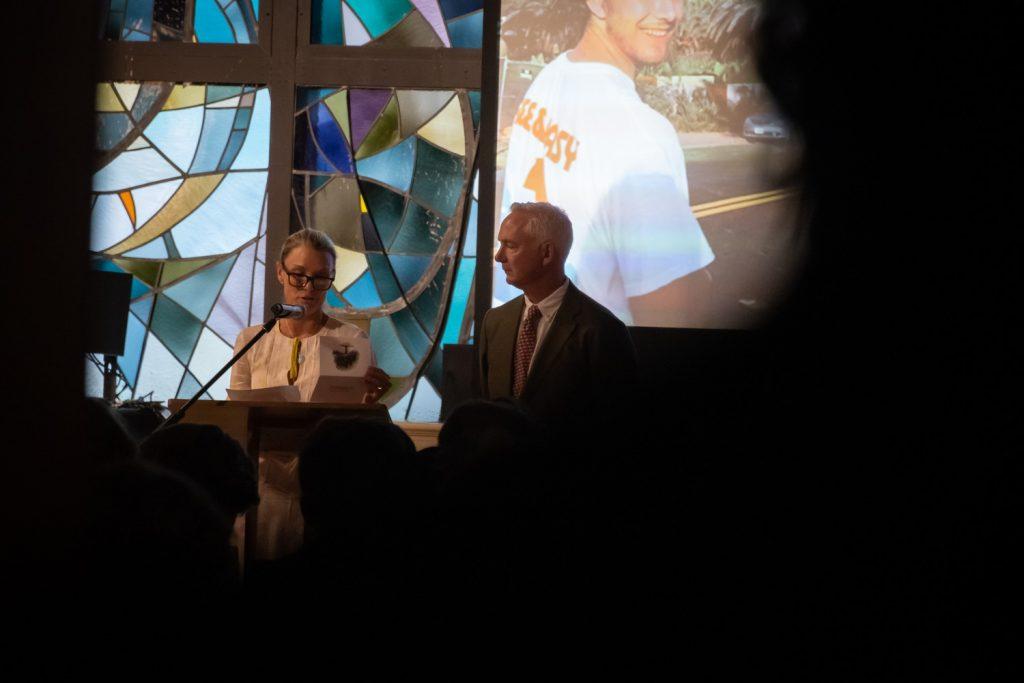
(396, 214)
(213, 21)
(190, 227)
(396, 23)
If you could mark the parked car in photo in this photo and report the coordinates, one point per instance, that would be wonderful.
(765, 126)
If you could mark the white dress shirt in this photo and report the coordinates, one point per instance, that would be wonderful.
(548, 308)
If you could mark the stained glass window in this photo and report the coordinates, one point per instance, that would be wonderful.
(179, 202)
(385, 173)
(398, 23)
(199, 21)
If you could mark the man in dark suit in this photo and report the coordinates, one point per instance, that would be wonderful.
(554, 350)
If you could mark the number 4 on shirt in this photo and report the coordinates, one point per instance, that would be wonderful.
(535, 181)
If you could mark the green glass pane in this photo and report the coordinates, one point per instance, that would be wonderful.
(421, 232)
(177, 328)
(175, 270)
(147, 271)
(427, 306)
(391, 355)
(384, 133)
(338, 105)
(384, 277)
(380, 15)
(334, 209)
(412, 336)
(438, 179)
(198, 292)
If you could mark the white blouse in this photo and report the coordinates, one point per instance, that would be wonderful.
(267, 363)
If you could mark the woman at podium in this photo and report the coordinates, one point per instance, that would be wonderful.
(289, 354)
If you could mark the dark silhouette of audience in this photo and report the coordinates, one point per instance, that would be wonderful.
(207, 456)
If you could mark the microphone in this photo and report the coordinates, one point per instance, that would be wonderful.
(287, 311)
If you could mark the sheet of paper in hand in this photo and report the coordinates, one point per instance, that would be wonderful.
(342, 366)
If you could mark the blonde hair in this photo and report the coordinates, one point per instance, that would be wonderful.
(313, 239)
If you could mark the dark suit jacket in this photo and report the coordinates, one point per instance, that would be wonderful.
(585, 363)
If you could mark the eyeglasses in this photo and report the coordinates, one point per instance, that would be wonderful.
(299, 280)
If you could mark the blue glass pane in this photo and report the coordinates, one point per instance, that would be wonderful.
(409, 269)
(307, 96)
(256, 150)
(142, 308)
(438, 181)
(242, 118)
(219, 93)
(380, 15)
(140, 17)
(239, 24)
(363, 292)
(134, 337)
(412, 336)
(307, 155)
(139, 288)
(391, 354)
(326, 23)
(459, 299)
(469, 245)
(467, 31)
(474, 103)
(385, 208)
(456, 8)
(150, 95)
(198, 292)
(176, 328)
(427, 306)
(210, 24)
(176, 133)
(234, 144)
(111, 129)
(216, 130)
(330, 138)
(189, 386)
(334, 300)
(421, 231)
(383, 277)
(392, 166)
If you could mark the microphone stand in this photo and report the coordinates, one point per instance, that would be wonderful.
(176, 417)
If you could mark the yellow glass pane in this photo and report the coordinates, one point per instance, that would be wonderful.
(106, 100)
(183, 96)
(446, 129)
(348, 267)
(190, 195)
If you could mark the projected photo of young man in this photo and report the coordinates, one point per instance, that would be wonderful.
(582, 139)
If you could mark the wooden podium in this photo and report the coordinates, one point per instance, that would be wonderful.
(263, 428)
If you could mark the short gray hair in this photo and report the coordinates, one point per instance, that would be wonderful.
(547, 222)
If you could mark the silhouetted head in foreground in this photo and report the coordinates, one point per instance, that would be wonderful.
(210, 458)
(359, 479)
